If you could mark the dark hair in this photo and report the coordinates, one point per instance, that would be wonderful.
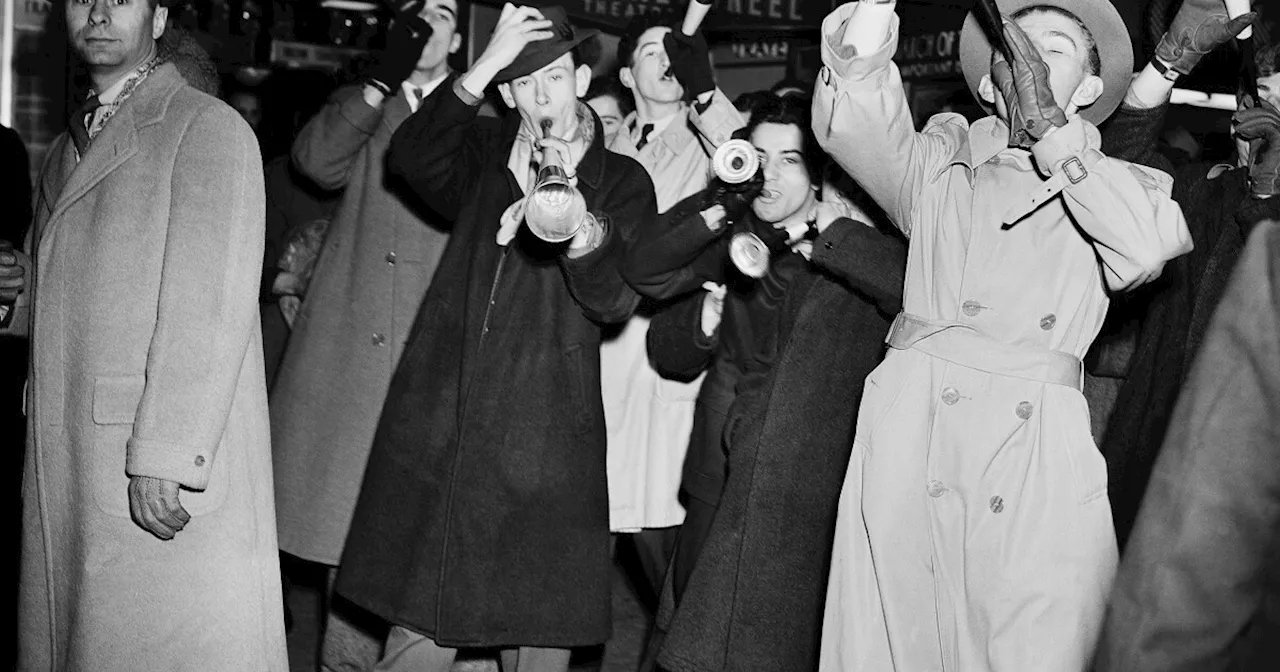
(1266, 51)
(748, 102)
(803, 89)
(1094, 59)
(608, 85)
(636, 28)
(792, 112)
(586, 52)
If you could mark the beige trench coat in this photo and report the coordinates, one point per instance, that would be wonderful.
(147, 360)
(974, 531)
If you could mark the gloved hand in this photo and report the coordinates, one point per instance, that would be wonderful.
(1260, 125)
(735, 198)
(1199, 27)
(155, 506)
(12, 274)
(1025, 87)
(690, 61)
(408, 35)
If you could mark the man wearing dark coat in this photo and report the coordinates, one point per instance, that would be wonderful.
(483, 520)
(1221, 204)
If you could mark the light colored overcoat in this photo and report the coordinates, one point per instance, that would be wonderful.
(147, 360)
(380, 253)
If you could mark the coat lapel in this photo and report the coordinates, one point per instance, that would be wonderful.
(118, 141)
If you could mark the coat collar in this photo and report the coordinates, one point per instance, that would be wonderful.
(987, 138)
(118, 140)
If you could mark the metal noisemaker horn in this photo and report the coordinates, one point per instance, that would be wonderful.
(735, 161)
(555, 209)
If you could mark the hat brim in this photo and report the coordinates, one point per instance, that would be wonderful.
(1115, 50)
(540, 54)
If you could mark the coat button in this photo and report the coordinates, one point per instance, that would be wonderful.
(379, 340)
(936, 488)
(391, 258)
(997, 504)
(1024, 410)
(971, 307)
(1048, 321)
(199, 460)
(950, 395)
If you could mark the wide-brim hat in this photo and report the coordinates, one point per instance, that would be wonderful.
(538, 54)
(1101, 19)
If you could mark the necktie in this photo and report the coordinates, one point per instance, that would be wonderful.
(79, 126)
(418, 95)
(644, 136)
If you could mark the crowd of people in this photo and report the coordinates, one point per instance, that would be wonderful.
(831, 389)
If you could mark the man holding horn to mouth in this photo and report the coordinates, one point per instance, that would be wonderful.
(974, 531)
(483, 520)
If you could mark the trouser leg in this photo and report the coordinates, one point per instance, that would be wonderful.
(654, 547)
(408, 651)
(534, 659)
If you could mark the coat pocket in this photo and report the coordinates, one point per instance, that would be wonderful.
(1088, 467)
(115, 408)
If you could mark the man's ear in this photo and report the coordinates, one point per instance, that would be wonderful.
(455, 44)
(583, 75)
(627, 78)
(504, 90)
(987, 90)
(1089, 91)
(158, 20)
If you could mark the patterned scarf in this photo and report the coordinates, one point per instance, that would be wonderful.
(104, 113)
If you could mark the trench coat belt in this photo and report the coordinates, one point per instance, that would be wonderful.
(964, 345)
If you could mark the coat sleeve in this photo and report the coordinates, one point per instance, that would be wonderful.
(1194, 573)
(1126, 210)
(678, 254)
(1133, 135)
(207, 310)
(869, 261)
(440, 150)
(861, 119)
(595, 279)
(327, 146)
(677, 346)
(717, 123)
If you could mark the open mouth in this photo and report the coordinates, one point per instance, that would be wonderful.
(769, 195)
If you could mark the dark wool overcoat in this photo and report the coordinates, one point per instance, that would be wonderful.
(1175, 311)
(756, 595)
(483, 519)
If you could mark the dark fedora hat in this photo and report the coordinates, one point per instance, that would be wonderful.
(538, 54)
(1101, 19)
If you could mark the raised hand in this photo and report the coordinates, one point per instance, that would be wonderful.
(1026, 90)
(517, 27)
(690, 62)
(405, 41)
(1260, 125)
(1199, 27)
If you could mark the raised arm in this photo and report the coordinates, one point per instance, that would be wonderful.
(327, 146)
(685, 249)
(1126, 210)
(860, 113)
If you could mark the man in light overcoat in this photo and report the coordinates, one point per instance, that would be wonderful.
(149, 539)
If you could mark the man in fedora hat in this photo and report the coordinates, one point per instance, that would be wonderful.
(974, 530)
(483, 520)
(149, 532)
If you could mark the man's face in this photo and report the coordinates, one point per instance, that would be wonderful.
(787, 187)
(248, 106)
(647, 77)
(442, 15)
(550, 93)
(1064, 47)
(113, 36)
(606, 107)
(1269, 89)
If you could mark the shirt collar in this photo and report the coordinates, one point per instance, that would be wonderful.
(410, 89)
(109, 94)
(660, 126)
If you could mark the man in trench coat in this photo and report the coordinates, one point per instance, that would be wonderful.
(148, 536)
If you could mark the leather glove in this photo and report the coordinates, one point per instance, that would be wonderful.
(1025, 86)
(736, 198)
(690, 61)
(408, 35)
(1199, 27)
(154, 504)
(1260, 125)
